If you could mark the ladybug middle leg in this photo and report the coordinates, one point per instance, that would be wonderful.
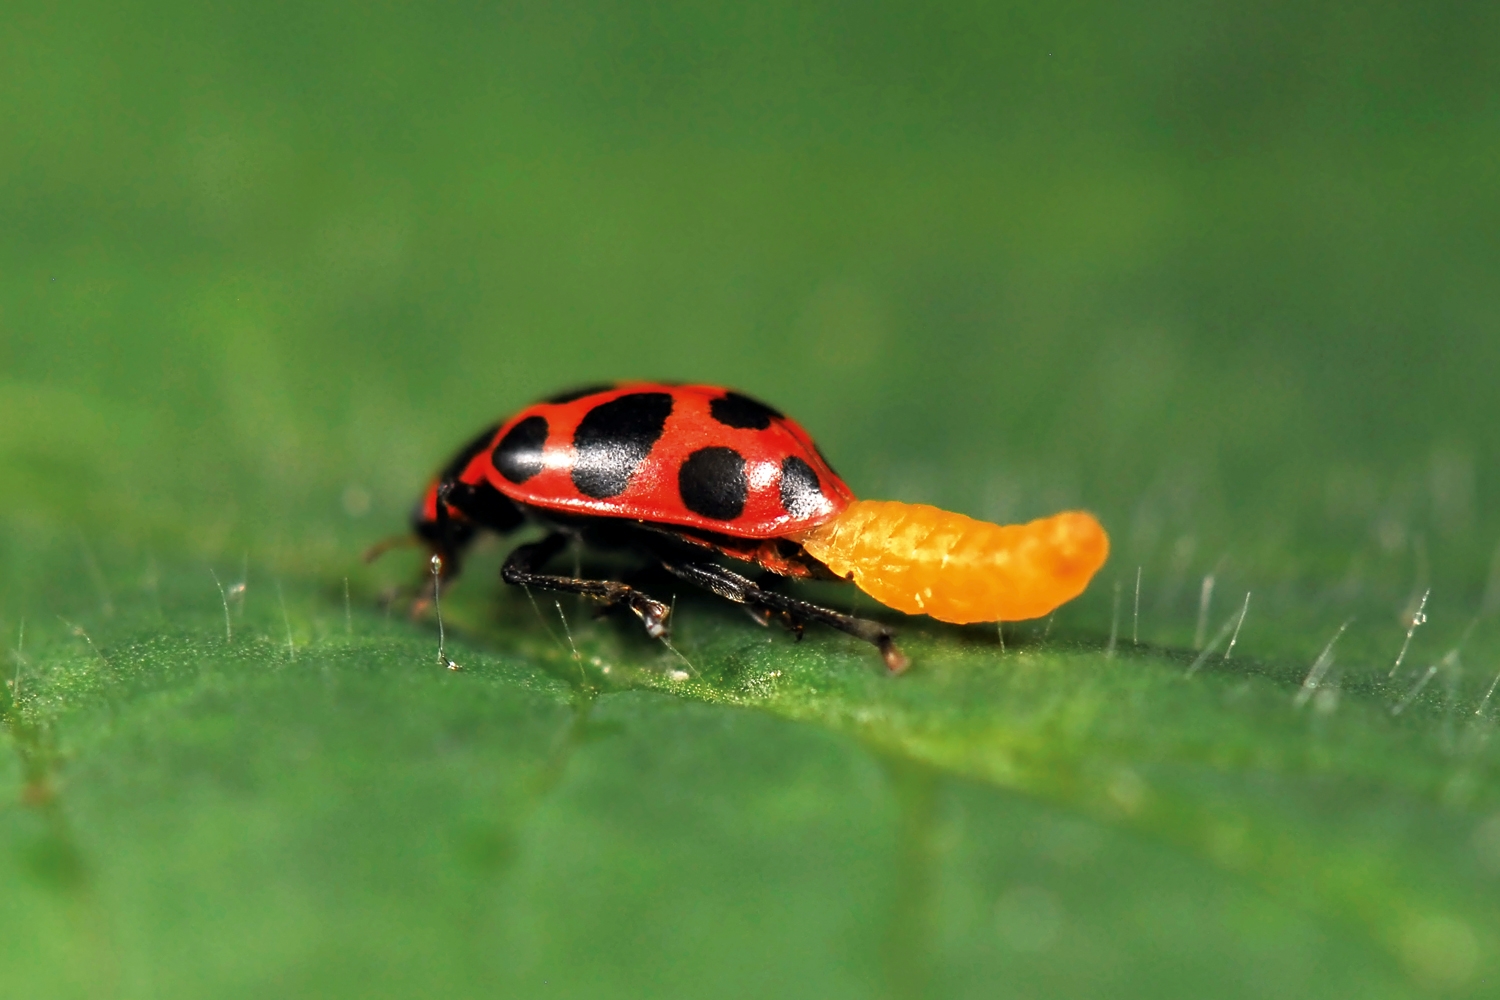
(731, 586)
(521, 570)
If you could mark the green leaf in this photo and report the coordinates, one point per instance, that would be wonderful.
(320, 806)
(1223, 277)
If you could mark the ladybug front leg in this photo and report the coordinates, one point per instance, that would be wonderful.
(731, 586)
(521, 568)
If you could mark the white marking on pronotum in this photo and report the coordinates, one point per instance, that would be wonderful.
(348, 614)
(1236, 637)
(437, 606)
(224, 598)
(1000, 632)
(1487, 695)
(1135, 620)
(1319, 669)
(1205, 597)
(1418, 617)
(1411, 695)
(1114, 625)
(291, 649)
(1047, 631)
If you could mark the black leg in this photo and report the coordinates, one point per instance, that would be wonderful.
(732, 586)
(521, 567)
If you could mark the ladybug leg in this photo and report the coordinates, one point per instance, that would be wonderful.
(763, 617)
(731, 586)
(521, 568)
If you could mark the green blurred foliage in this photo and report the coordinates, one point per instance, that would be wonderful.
(1121, 257)
(1223, 274)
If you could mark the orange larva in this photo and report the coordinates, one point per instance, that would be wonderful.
(923, 560)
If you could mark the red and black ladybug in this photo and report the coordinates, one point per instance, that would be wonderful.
(684, 474)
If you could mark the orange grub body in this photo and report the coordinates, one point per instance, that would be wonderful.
(923, 560)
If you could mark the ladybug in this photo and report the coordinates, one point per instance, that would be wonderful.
(688, 474)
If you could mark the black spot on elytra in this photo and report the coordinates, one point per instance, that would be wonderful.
(735, 410)
(572, 394)
(615, 437)
(801, 493)
(712, 483)
(518, 456)
(460, 462)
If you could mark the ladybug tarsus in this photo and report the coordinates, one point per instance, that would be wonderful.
(792, 612)
(895, 660)
(521, 570)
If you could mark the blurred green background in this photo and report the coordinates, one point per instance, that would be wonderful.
(1225, 275)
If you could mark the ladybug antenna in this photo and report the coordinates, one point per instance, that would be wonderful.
(385, 545)
(923, 560)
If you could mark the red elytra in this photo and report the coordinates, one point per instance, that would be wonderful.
(652, 491)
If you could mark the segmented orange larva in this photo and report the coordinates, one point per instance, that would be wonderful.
(923, 560)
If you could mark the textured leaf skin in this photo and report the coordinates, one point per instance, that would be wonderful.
(222, 816)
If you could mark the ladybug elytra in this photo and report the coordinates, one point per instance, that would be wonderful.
(686, 473)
